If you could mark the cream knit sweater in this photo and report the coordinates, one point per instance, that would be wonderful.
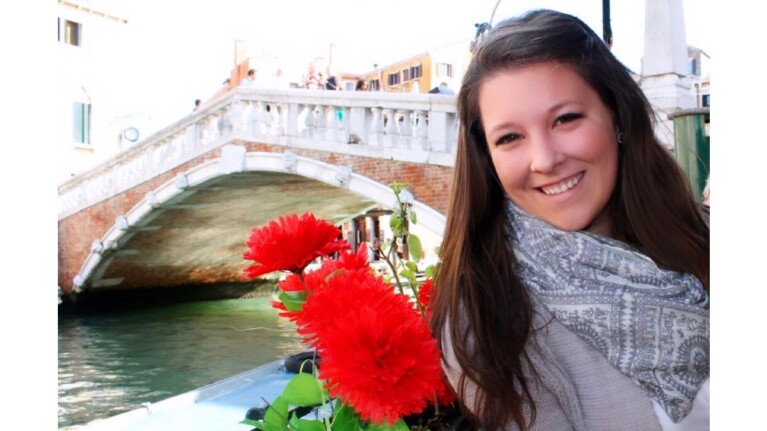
(578, 389)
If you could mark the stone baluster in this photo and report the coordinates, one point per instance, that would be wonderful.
(282, 118)
(452, 133)
(171, 153)
(221, 123)
(331, 134)
(205, 133)
(235, 116)
(375, 137)
(190, 136)
(225, 122)
(211, 130)
(391, 134)
(262, 122)
(179, 149)
(291, 119)
(343, 125)
(405, 128)
(358, 121)
(438, 131)
(275, 119)
(421, 141)
(309, 122)
(321, 125)
(251, 118)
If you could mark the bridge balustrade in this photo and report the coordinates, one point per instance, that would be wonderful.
(417, 128)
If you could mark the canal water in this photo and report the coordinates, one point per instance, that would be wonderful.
(112, 362)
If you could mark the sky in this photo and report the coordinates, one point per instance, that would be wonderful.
(184, 53)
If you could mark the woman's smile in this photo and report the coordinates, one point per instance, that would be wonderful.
(562, 186)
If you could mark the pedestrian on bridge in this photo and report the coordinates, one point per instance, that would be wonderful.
(573, 288)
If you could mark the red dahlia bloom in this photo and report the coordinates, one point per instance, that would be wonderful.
(292, 283)
(378, 355)
(317, 279)
(354, 261)
(350, 290)
(290, 244)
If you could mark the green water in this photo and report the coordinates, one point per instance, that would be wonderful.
(111, 363)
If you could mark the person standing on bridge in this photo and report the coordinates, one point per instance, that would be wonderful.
(250, 80)
(573, 288)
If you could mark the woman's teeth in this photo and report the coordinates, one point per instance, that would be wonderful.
(563, 186)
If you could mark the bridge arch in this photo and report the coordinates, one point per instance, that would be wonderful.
(118, 244)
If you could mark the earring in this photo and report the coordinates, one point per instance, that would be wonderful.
(620, 137)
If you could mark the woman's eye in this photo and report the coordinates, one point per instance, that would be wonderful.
(507, 138)
(566, 118)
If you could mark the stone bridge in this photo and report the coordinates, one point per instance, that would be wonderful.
(176, 209)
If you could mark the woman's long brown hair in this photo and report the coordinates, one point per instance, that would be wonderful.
(481, 304)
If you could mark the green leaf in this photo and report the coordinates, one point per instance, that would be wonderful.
(400, 425)
(254, 423)
(429, 271)
(414, 246)
(345, 419)
(276, 417)
(395, 222)
(413, 218)
(303, 390)
(397, 187)
(410, 275)
(292, 302)
(411, 266)
(306, 424)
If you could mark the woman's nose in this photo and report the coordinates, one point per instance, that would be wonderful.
(544, 155)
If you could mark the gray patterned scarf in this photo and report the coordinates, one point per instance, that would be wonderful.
(650, 323)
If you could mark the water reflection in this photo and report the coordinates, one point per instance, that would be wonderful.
(111, 363)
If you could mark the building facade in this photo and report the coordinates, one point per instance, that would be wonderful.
(93, 124)
(422, 72)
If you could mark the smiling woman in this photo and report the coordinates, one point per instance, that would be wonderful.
(556, 156)
(573, 289)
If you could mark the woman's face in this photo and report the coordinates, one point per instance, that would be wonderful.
(553, 144)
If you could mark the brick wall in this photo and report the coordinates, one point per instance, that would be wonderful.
(429, 184)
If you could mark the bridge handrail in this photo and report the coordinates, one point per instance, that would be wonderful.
(419, 128)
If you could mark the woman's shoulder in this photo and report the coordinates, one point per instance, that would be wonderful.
(607, 398)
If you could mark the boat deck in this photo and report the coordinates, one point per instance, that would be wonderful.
(220, 406)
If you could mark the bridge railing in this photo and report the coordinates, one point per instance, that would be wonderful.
(417, 128)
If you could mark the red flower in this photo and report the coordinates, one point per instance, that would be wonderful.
(320, 311)
(292, 283)
(313, 280)
(347, 261)
(354, 261)
(290, 244)
(378, 355)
